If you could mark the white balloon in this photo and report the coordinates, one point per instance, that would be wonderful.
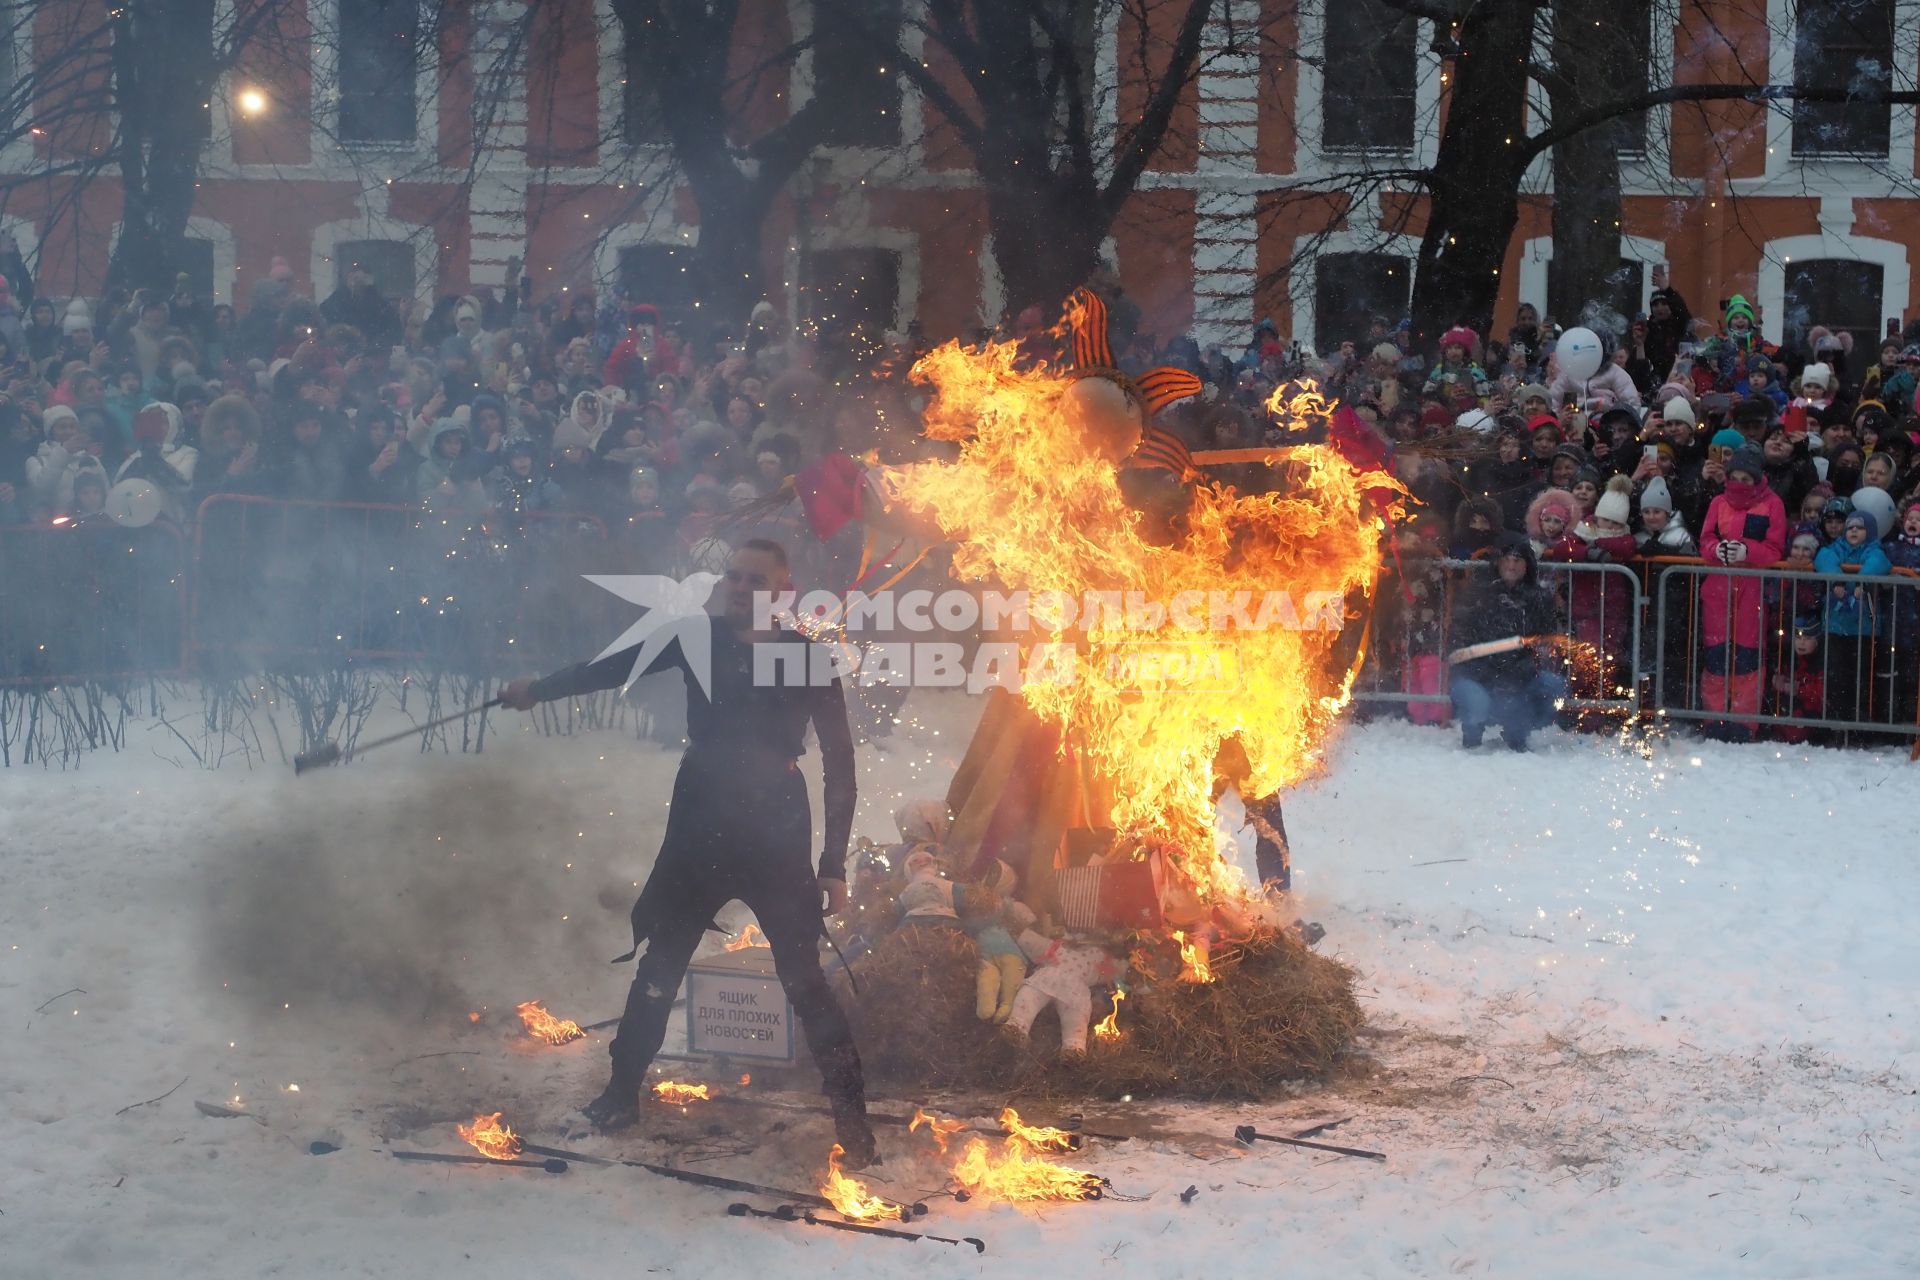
(133, 503)
(1877, 503)
(1580, 353)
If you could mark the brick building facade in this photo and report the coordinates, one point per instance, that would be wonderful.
(525, 143)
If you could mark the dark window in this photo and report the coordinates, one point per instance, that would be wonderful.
(378, 58)
(660, 275)
(853, 295)
(1837, 294)
(1349, 289)
(640, 123)
(1845, 45)
(855, 74)
(1627, 49)
(1625, 286)
(1366, 93)
(389, 262)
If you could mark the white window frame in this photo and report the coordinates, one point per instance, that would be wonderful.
(664, 230)
(906, 302)
(868, 164)
(1361, 234)
(17, 156)
(375, 222)
(1836, 239)
(1650, 172)
(326, 145)
(1537, 252)
(1824, 175)
(1310, 117)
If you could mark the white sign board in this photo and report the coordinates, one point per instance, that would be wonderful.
(738, 1014)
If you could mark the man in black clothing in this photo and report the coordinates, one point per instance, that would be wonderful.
(739, 827)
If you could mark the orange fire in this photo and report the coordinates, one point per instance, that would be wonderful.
(473, 1015)
(1195, 962)
(851, 1197)
(1108, 1028)
(1037, 1137)
(749, 937)
(674, 1091)
(489, 1137)
(542, 1025)
(1020, 1176)
(745, 1080)
(1034, 504)
(939, 1130)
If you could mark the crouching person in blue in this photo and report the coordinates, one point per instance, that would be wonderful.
(1506, 688)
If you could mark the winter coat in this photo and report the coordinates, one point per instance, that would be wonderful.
(1794, 478)
(1851, 608)
(170, 468)
(1493, 610)
(52, 470)
(1735, 607)
(1602, 603)
(1611, 380)
(1459, 382)
(1674, 540)
(1904, 553)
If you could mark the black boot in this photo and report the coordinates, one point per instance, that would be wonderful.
(617, 1107)
(854, 1134)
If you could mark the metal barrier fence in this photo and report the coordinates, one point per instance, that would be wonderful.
(1601, 605)
(276, 580)
(1802, 650)
(90, 600)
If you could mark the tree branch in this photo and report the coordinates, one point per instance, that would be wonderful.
(1144, 141)
(1431, 10)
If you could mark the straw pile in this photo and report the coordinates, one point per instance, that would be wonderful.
(1276, 1012)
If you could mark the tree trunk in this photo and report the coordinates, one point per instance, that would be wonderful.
(1045, 246)
(728, 261)
(163, 69)
(1586, 171)
(1474, 197)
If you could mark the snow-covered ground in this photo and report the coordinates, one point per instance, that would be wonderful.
(1632, 1015)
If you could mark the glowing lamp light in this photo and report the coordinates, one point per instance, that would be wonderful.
(251, 102)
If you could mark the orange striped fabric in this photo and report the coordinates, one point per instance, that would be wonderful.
(1087, 316)
(1163, 386)
(1161, 450)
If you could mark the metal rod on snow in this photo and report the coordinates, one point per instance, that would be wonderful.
(333, 753)
(1247, 1134)
(440, 1157)
(785, 1213)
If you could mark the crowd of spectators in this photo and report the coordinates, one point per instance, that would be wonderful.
(495, 409)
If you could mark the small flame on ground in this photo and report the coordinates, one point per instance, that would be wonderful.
(745, 1080)
(749, 937)
(674, 1091)
(1194, 965)
(1037, 1136)
(1019, 1176)
(489, 1137)
(544, 1026)
(939, 1130)
(851, 1197)
(1108, 1028)
(473, 1015)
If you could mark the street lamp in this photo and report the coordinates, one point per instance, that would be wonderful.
(252, 102)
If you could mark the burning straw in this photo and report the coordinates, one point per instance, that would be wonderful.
(1277, 1011)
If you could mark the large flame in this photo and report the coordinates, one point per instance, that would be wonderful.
(1034, 504)
(851, 1197)
(1196, 964)
(937, 1129)
(674, 1091)
(1039, 1137)
(489, 1137)
(544, 1026)
(1019, 1175)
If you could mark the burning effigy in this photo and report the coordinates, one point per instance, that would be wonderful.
(1207, 637)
